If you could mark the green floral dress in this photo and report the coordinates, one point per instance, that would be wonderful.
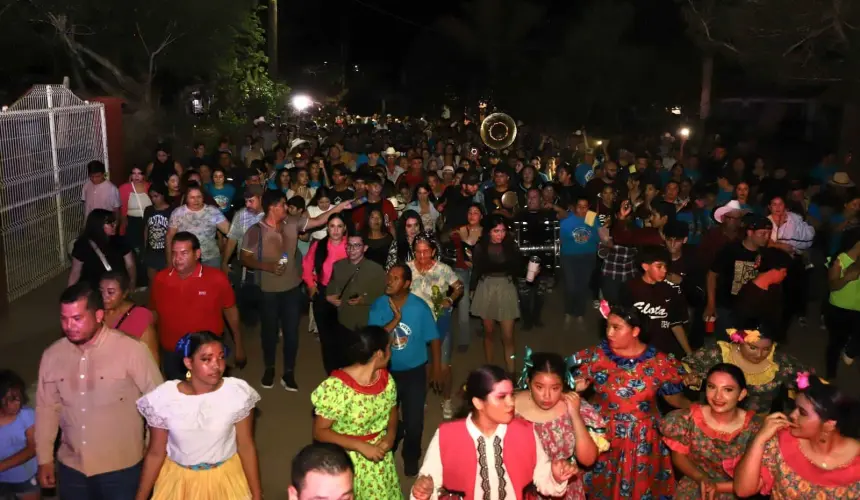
(362, 412)
(763, 387)
(686, 432)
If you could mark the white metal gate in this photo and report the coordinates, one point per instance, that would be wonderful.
(46, 140)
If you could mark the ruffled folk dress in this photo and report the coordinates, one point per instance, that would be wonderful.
(202, 459)
(362, 412)
(686, 432)
(559, 442)
(638, 465)
(786, 473)
(763, 387)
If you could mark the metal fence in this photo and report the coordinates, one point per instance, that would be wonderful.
(46, 140)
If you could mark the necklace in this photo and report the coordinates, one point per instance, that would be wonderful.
(822, 464)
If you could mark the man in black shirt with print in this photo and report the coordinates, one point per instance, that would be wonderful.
(660, 304)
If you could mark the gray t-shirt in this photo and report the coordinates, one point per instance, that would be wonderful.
(203, 223)
(276, 242)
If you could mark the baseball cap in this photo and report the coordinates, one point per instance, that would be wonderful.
(253, 190)
(471, 179)
(757, 222)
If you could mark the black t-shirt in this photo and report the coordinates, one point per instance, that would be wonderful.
(735, 266)
(93, 267)
(756, 306)
(567, 195)
(595, 187)
(456, 207)
(661, 306)
(341, 196)
(493, 199)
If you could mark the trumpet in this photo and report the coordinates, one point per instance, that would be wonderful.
(498, 131)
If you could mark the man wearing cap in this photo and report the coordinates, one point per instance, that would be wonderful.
(447, 175)
(242, 221)
(735, 265)
(456, 200)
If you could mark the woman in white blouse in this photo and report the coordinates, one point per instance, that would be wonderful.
(201, 443)
(509, 455)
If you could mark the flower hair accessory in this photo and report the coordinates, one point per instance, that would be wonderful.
(523, 381)
(604, 309)
(802, 380)
(183, 346)
(743, 336)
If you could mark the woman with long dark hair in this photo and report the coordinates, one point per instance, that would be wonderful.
(121, 313)
(377, 239)
(703, 437)
(496, 264)
(100, 250)
(162, 166)
(317, 267)
(487, 452)
(409, 225)
(423, 202)
(812, 453)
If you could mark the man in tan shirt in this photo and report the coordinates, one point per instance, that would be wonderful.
(88, 384)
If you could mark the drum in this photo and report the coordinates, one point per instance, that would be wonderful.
(537, 234)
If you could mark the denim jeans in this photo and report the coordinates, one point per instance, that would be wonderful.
(116, 485)
(463, 315)
(577, 271)
(611, 288)
(843, 328)
(411, 396)
(443, 325)
(281, 310)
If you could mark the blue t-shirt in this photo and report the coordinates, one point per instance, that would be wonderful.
(13, 439)
(577, 237)
(416, 329)
(724, 197)
(223, 197)
(584, 173)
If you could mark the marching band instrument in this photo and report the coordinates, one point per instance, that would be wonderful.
(498, 131)
(539, 239)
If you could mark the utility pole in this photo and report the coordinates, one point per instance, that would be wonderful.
(273, 38)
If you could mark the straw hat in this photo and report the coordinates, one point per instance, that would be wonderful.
(731, 207)
(841, 179)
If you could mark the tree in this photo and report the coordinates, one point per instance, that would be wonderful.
(133, 49)
(802, 42)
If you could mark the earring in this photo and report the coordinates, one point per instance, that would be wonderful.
(188, 375)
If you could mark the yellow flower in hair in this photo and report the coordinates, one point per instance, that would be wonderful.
(752, 336)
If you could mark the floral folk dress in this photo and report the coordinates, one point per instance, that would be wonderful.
(559, 442)
(686, 432)
(786, 474)
(763, 387)
(362, 412)
(638, 465)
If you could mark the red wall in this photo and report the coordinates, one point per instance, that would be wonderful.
(113, 122)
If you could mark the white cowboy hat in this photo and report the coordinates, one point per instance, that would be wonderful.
(391, 152)
(730, 207)
(841, 179)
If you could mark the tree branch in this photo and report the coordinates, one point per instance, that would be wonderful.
(707, 29)
(803, 40)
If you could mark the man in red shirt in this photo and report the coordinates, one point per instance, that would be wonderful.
(189, 297)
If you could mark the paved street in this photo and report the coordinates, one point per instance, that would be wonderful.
(284, 423)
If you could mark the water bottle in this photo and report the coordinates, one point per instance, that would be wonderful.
(282, 262)
(534, 266)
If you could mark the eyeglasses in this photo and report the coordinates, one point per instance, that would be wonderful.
(355, 245)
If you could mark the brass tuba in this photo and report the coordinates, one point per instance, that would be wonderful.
(498, 131)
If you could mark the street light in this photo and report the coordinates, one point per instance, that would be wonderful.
(302, 102)
(685, 132)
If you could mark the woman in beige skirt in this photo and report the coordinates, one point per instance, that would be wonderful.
(496, 264)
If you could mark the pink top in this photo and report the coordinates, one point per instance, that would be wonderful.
(134, 322)
(336, 252)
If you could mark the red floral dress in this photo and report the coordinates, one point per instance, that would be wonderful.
(786, 473)
(686, 432)
(638, 465)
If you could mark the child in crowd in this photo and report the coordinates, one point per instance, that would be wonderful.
(18, 466)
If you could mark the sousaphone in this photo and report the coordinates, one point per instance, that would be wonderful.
(498, 131)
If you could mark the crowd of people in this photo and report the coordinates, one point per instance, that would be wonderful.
(700, 266)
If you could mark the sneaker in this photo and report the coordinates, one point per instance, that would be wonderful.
(845, 359)
(288, 382)
(447, 409)
(268, 380)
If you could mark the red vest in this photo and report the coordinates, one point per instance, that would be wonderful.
(460, 467)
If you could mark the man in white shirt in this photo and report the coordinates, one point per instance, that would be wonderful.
(98, 192)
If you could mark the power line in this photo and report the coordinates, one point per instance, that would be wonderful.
(387, 13)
